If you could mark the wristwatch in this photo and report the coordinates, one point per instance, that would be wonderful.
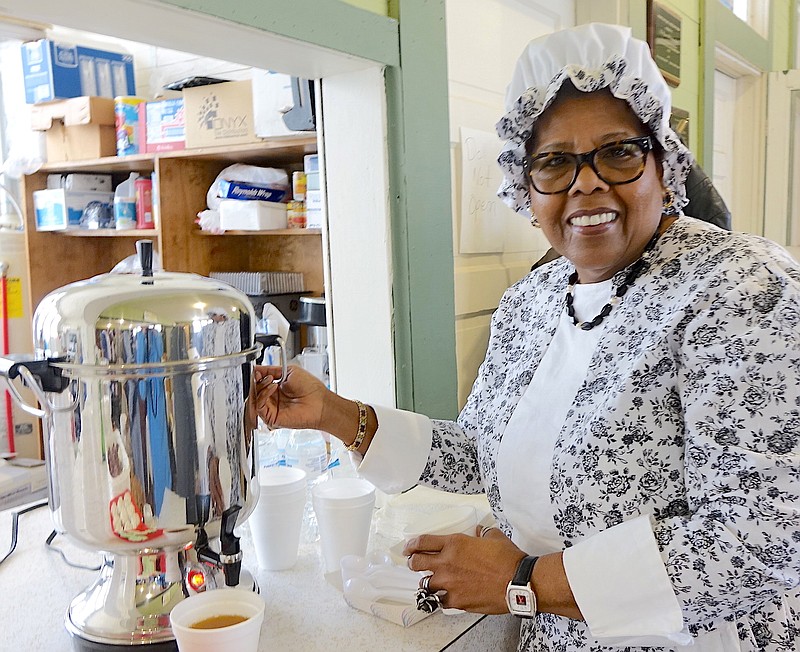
(520, 598)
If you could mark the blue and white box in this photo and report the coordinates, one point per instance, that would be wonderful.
(56, 71)
(250, 191)
(59, 209)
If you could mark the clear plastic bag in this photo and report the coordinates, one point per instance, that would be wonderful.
(252, 173)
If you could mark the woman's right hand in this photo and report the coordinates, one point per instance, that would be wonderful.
(297, 402)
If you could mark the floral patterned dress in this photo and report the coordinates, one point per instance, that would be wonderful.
(689, 413)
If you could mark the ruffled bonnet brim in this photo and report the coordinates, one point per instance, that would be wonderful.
(591, 57)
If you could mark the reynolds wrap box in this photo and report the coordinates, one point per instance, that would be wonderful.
(251, 191)
(54, 71)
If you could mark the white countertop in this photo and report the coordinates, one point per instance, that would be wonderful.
(304, 612)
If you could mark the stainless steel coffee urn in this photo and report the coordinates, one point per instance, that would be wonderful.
(145, 388)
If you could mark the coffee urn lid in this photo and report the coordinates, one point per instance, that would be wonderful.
(94, 321)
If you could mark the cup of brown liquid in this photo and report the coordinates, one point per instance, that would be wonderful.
(218, 620)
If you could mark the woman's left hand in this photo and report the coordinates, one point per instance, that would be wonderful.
(473, 570)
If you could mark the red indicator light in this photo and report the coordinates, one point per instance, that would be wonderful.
(196, 579)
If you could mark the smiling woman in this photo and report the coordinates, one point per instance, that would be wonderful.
(642, 468)
(601, 208)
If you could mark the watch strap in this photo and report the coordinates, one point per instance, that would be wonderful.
(523, 575)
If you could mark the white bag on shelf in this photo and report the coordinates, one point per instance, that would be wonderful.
(240, 172)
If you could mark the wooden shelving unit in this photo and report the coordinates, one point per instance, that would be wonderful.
(111, 233)
(271, 232)
(56, 258)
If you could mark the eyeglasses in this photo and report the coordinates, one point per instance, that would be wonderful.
(615, 163)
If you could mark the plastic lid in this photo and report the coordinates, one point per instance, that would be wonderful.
(453, 520)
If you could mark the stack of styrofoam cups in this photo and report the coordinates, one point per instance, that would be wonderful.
(278, 516)
(344, 508)
(242, 637)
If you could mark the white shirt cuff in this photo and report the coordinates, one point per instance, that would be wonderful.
(622, 588)
(398, 452)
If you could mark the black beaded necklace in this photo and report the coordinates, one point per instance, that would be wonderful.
(634, 271)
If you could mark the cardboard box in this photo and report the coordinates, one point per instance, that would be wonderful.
(165, 125)
(59, 209)
(219, 114)
(77, 129)
(20, 483)
(54, 71)
(252, 215)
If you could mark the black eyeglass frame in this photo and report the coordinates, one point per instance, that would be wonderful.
(645, 142)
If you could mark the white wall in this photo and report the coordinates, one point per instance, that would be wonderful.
(484, 40)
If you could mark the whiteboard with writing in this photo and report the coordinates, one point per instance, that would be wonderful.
(487, 224)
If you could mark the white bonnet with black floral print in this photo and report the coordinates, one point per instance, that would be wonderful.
(592, 57)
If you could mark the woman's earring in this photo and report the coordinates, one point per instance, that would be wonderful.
(669, 201)
(535, 221)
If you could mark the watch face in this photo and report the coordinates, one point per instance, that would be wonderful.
(520, 601)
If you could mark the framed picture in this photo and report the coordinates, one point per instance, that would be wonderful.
(664, 38)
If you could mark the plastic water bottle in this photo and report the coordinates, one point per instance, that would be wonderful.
(272, 446)
(340, 465)
(308, 450)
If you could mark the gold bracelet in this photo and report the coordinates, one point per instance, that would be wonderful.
(362, 427)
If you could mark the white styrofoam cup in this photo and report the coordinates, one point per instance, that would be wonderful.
(242, 637)
(277, 519)
(344, 508)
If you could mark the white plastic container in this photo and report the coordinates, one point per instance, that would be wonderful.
(125, 204)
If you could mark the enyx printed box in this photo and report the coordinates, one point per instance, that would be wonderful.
(219, 114)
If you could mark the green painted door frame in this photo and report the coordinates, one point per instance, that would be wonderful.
(419, 145)
(411, 44)
(719, 26)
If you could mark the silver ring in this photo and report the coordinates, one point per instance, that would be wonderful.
(485, 530)
(428, 602)
(424, 583)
